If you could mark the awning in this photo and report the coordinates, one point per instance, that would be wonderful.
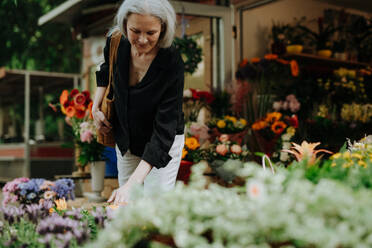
(64, 13)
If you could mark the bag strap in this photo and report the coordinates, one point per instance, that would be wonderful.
(114, 44)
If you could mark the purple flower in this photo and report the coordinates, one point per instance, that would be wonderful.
(12, 214)
(64, 188)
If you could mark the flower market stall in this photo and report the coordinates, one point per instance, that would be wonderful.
(31, 137)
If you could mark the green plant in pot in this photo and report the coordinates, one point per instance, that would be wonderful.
(322, 39)
(277, 36)
(295, 37)
(359, 32)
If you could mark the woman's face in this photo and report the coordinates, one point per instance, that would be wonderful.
(143, 32)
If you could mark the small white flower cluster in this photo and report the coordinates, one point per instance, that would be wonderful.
(270, 210)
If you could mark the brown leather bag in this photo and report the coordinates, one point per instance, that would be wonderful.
(107, 105)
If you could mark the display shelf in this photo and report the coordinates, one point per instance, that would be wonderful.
(331, 62)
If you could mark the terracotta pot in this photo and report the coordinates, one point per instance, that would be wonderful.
(184, 171)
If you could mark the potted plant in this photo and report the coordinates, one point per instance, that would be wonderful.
(295, 37)
(322, 38)
(278, 38)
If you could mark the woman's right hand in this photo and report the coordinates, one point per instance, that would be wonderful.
(100, 121)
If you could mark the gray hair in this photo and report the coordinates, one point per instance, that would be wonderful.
(158, 8)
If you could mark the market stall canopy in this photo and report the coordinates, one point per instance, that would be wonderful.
(12, 83)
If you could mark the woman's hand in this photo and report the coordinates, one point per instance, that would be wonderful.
(121, 195)
(100, 121)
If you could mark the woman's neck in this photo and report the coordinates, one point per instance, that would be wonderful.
(136, 54)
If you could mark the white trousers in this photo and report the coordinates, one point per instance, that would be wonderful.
(158, 180)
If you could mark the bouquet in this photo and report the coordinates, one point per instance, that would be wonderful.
(223, 149)
(191, 151)
(77, 106)
(194, 101)
(235, 128)
(27, 191)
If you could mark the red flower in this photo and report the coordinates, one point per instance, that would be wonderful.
(293, 120)
(208, 97)
(74, 92)
(79, 99)
(86, 94)
(195, 95)
(80, 114)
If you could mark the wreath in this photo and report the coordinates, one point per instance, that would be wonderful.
(190, 52)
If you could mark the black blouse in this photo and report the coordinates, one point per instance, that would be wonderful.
(148, 115)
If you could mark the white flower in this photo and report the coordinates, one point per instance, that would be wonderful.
(187, 93)
(255, 189)
(284, 156)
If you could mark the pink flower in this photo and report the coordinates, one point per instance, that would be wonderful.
(294, 106)
(86, 136)
(277, 105)
(222, 149)
(200, 131)
(84, 125)
(46, 185)
(49, 194)
(224, 138)
(291, 98)
(237, 149)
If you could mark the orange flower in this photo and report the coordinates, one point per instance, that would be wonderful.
(184, 153)
(294, 68)
(278, 127)
(70, 111)
(90, 110)
(80, 107)
(273, 117)
(255, 60)
(283, 61)
(271, 56)
(63, 98)
(192, 143)
(61, 204)
(306, 151)
(258, 125)
(79, 114)
(243, 63)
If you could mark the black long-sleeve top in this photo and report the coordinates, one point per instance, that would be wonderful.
(148, 115)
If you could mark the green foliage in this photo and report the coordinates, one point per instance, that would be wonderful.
(20, 234)
(27, 45)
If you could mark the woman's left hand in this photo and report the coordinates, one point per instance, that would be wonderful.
(121, 195)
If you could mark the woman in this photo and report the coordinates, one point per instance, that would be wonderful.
(148, 87)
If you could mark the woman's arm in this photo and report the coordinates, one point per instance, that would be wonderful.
(122, 195)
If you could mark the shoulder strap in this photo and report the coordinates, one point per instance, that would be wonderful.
(114, 44)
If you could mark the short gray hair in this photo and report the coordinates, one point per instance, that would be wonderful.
(158, 8)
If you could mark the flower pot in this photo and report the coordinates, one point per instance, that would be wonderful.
(324, 53)
(294, 48)
(184, 171)
(97, 171)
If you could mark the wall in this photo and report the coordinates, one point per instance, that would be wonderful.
(257, 22)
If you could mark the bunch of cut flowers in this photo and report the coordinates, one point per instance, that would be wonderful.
(77, 106)
(27, 191)
(194, 101)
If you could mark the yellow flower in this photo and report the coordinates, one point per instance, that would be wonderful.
(184, 153)
(61, 204)
(336, 156)
(243, 121)
(362, 163)
(333, 164)
(291, 131)
(233, 119)
(221, 124)
(51, 210)
(356, 155)
(346, 155)
(192, 143)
